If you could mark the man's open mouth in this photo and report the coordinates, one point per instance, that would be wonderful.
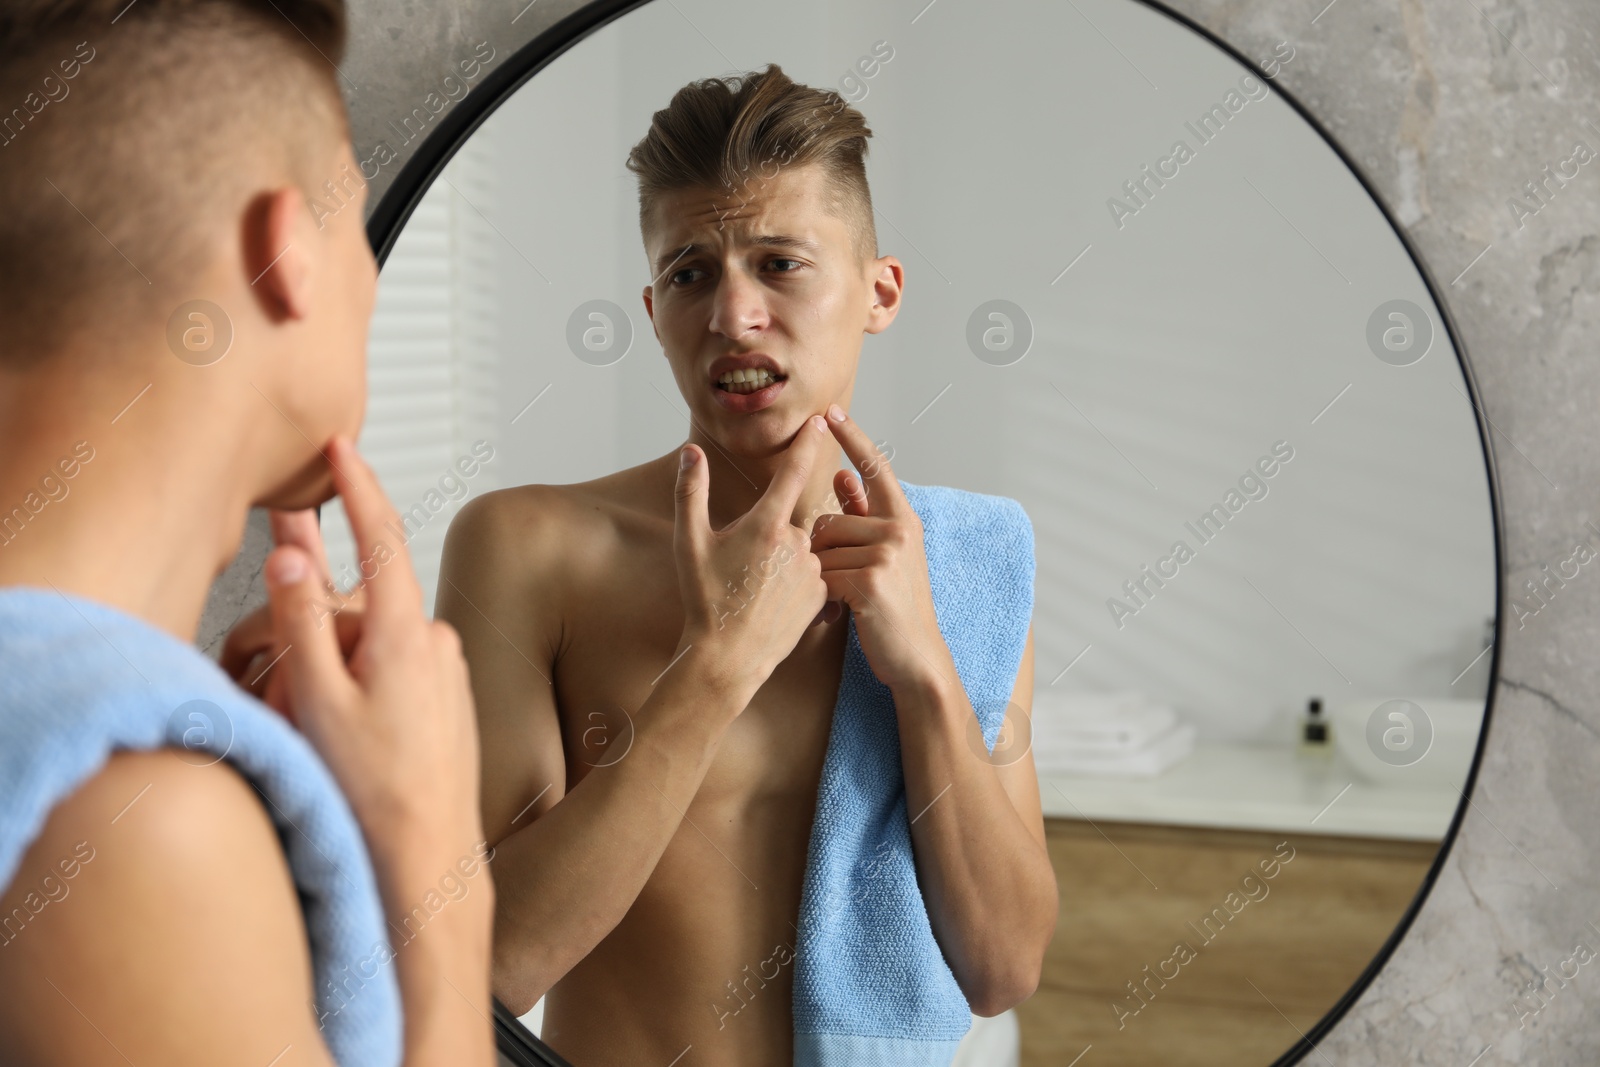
(747, 381)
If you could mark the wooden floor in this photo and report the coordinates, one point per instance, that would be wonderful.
(1262, 969)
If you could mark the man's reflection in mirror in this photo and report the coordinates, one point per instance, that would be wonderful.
(653, 733)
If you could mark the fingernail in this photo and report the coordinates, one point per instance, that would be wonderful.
(286, 568)
(686, 458)
(835, 412)
(816, 420)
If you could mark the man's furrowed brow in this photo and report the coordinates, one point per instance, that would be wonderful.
(784, 240)
(672, 255)
(773, 240)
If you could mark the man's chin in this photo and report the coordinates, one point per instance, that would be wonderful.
(756, 439)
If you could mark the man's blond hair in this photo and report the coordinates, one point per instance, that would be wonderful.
(730, 133)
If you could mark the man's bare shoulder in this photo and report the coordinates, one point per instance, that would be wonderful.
(155, 886)
(546, 530)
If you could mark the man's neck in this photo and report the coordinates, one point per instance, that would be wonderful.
(738, 482)
(145, 523)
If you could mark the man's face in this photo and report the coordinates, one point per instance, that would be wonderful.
(346, 310)
(359, 280)
(323, 356)
(768, 272)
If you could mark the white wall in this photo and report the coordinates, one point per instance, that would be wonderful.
(1221, 318)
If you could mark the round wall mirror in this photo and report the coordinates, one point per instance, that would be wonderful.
(1143, 296)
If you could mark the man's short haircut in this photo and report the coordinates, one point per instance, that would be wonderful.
(132, 134)
(730, 133)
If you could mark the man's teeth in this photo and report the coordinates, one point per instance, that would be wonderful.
(746, 381)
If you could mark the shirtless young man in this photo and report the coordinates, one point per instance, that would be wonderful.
(651, 759)
(163, 152)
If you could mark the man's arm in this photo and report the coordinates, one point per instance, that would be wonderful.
(178, 938)
(566, 873)
(568, 863)
(154, 919)
(976, 827)
(978, 836)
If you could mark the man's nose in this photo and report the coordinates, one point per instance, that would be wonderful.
(738, 306)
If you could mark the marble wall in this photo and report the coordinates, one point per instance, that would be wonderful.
(1449, 107)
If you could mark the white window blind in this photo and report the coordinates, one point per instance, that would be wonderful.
(430, 368)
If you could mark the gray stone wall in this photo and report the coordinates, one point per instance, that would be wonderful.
(1450, 107)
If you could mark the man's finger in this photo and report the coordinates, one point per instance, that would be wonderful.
(394, 597)
(312, 663)
(885, 497)
(852, 493)
(692, 504)
(249, 636)
(260, 675)
(302, 528)
(832, 611)
(801, 458)
(842, 531)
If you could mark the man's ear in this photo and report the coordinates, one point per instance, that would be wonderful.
(887, 289)
(278, 249)
(650, 309)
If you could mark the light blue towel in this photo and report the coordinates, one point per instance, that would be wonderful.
(80, 679)
(871, 986)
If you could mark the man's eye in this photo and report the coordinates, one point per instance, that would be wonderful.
(677, 276)
(782, 260)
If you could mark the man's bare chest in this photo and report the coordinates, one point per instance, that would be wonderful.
(621, 634)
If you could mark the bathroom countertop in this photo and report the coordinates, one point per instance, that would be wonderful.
(1240, 787)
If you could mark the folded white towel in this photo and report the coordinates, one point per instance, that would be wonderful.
(1153, 758)
(993, 1041)
(1088, 708)
(1097, 722)
(1121, 733)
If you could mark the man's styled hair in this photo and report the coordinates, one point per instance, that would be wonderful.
(127, 130)
(728, 133)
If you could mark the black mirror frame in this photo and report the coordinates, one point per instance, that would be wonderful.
(517, 1046)
(420, 171)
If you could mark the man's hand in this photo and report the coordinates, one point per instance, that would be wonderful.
(981, 859)
(392, 720)
(873, 562)
(396, 711)
(748, 628)
(251, 652)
